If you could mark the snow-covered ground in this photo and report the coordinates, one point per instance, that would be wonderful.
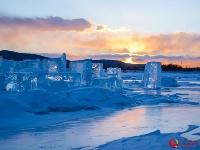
(97, 118)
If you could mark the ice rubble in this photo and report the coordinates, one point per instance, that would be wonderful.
(152, 75)
(52, 74)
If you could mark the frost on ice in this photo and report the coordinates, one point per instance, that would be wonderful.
(152, 75)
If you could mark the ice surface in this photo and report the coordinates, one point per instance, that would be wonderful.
(97, 70)
(67, 115)
(114, 72)
(112, 83)
(127, 143)
(84, 67)
(152, 75)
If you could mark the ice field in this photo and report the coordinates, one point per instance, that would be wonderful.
(100, 118)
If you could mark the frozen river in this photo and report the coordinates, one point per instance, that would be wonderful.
(169, 110)
(92, 132)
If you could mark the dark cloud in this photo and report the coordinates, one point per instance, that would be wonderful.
(50, 23)
(109, 56)
(100, 27)
(145, 58)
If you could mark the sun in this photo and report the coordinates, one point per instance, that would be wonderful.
(129, 60)
(131, 50)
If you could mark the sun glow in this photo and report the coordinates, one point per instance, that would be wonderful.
(131, 50)
(129, 60)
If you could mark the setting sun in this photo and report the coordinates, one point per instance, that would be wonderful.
(129, 60)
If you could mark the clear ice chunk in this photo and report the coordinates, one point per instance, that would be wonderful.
(59, 80)
(112, 83)
(20, 81)
(114, 72)
(97, 70)
(34, 83)
(54, 65)
(84, 67)
(152, 75)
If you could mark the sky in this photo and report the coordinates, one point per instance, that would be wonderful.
(129, 30)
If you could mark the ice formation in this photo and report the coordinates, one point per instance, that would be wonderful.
(53, 74)
(6, 66)
(19, 81)
(84, 67)
(57, 80)
(53, 65)
(152, 75)
(97, 70)
(112, 81)
(114, 72)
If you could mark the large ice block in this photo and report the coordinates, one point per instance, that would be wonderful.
(97, 70)
(112, 83)
(20, 81)
(84, 67)
(61, 62)
(15, 66)
(30, 63)
(1, 59)
(6, 66)
(114, 72)
(152, 75)
(58, 80)
(53, 65)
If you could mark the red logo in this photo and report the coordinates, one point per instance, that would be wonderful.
(173, 143)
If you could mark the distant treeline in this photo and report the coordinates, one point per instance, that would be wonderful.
(174, 67)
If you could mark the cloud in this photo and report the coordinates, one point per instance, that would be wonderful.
(49, 24)
(100, 27)
(181, 43)
(98, 42)
(186, 60)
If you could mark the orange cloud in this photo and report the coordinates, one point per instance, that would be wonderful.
(47, 36)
